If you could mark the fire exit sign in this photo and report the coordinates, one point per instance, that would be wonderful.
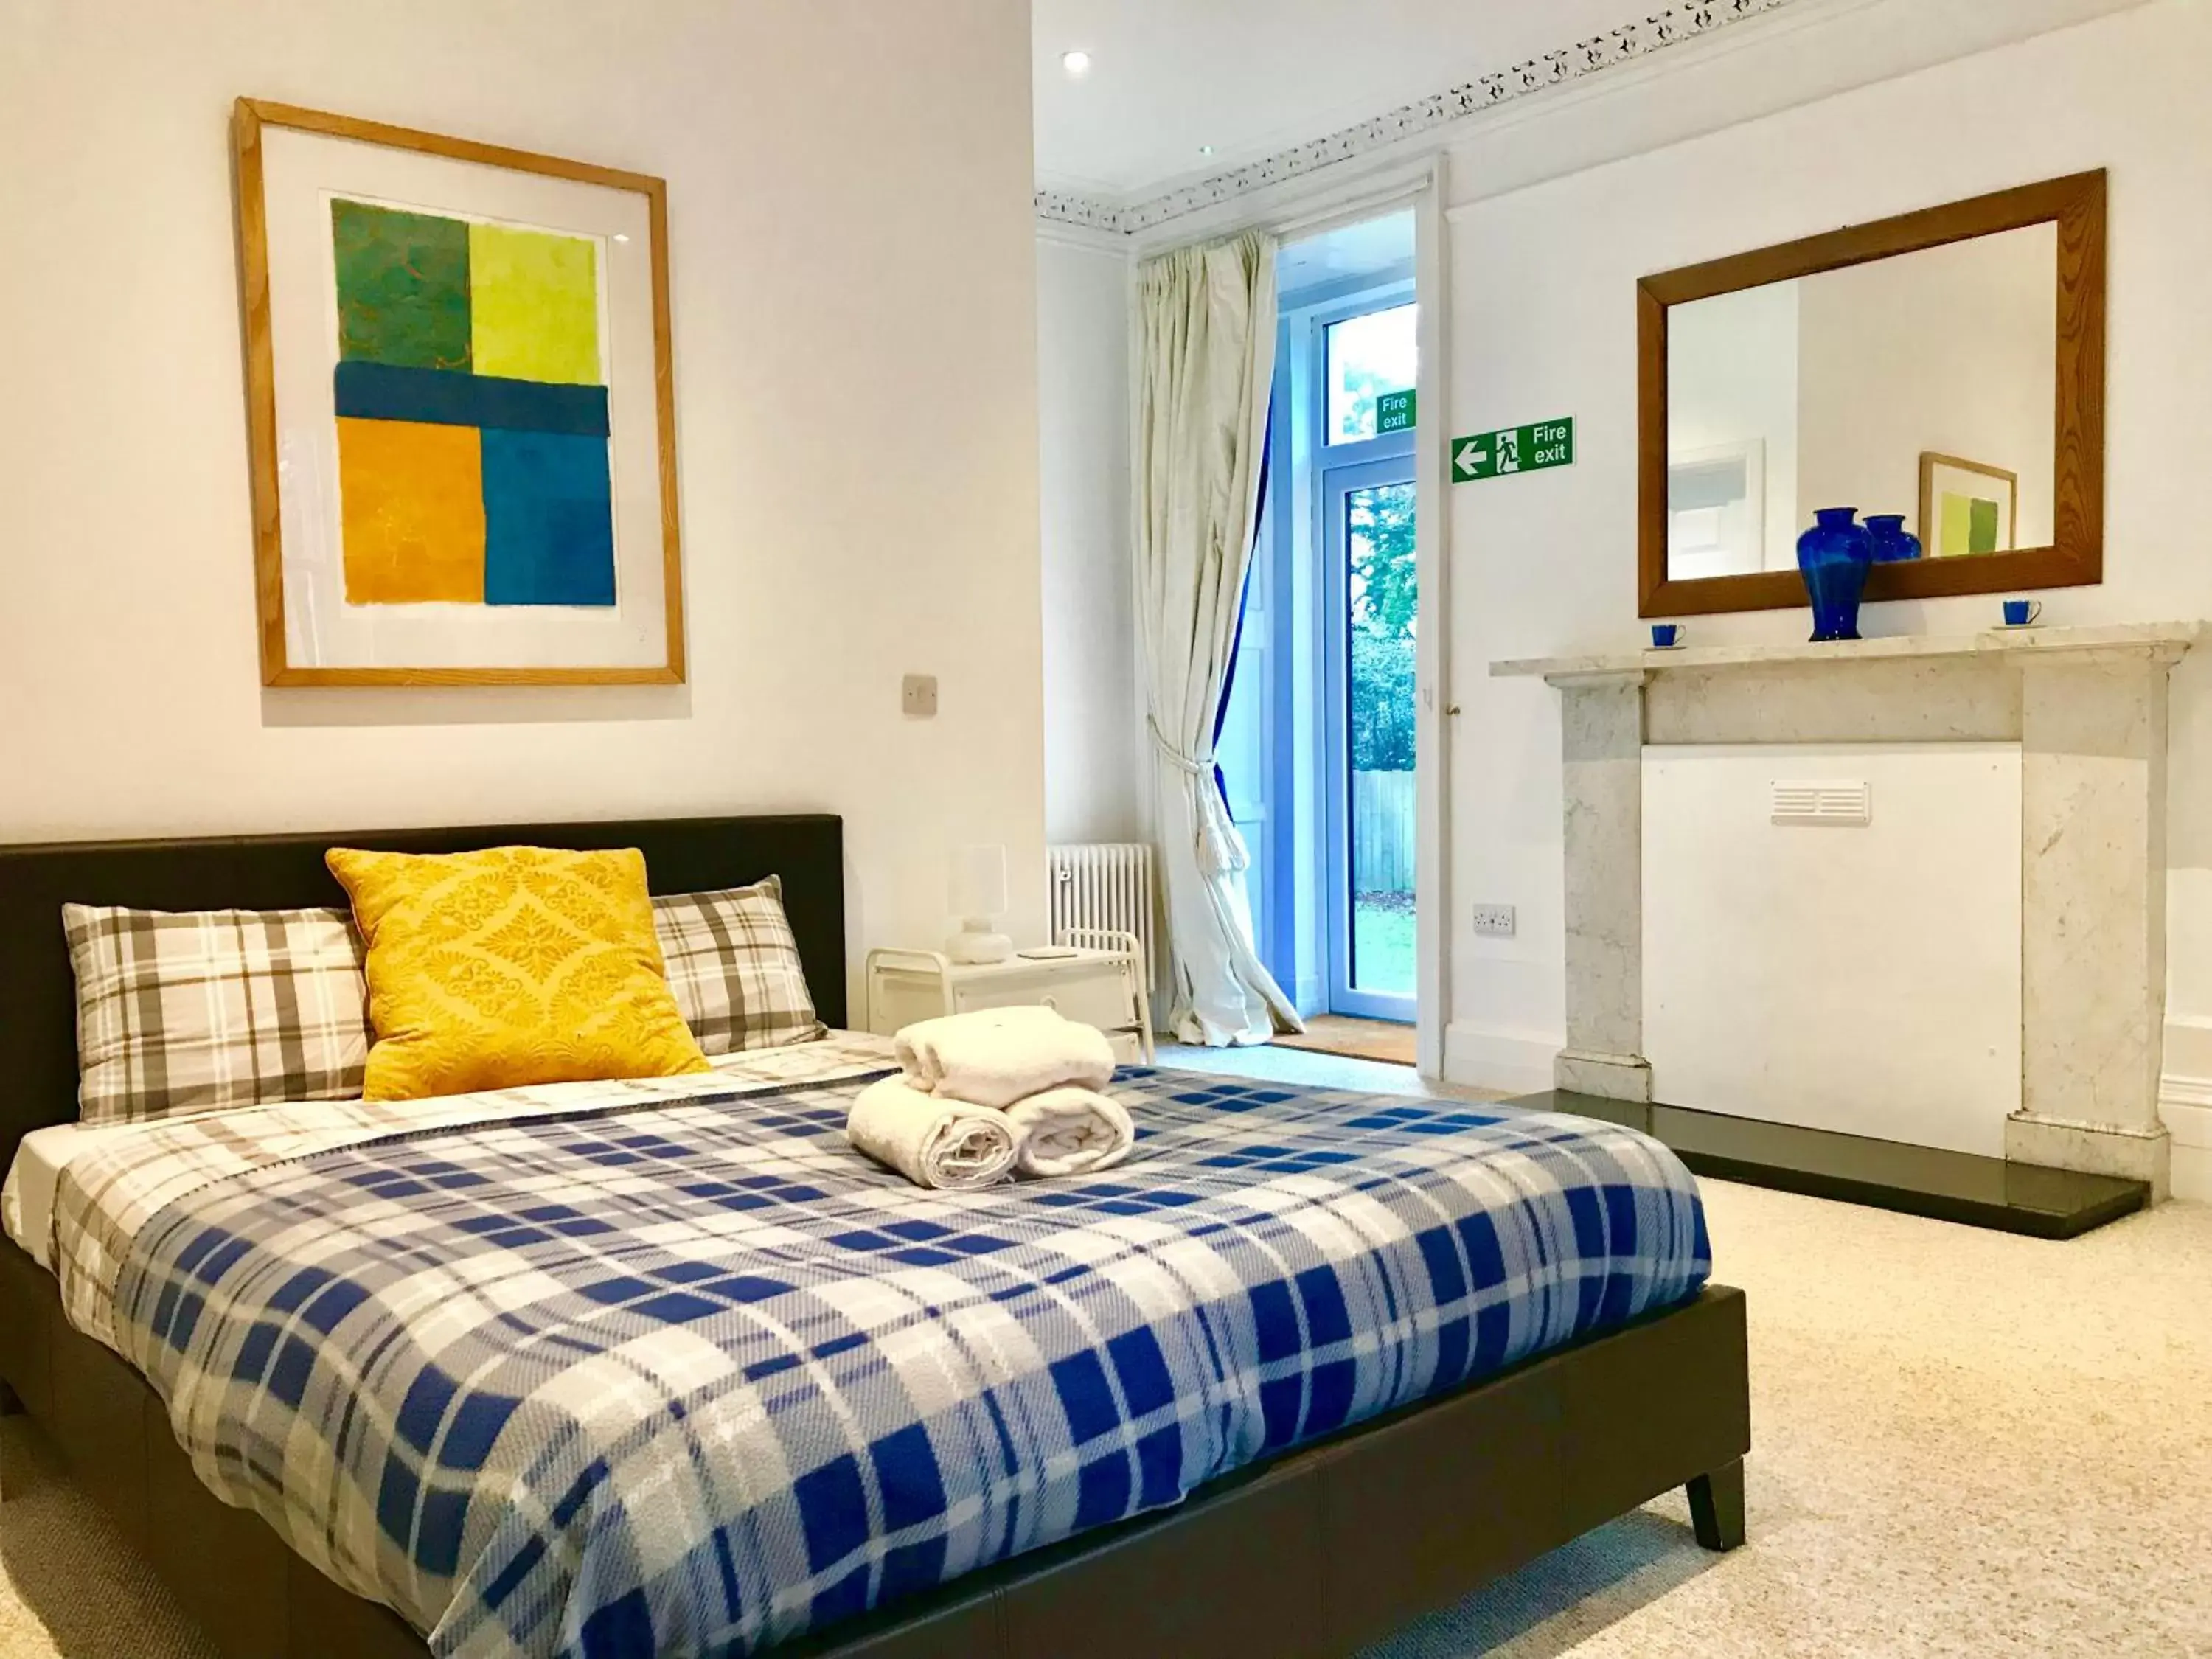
(1394, 412)
(1513, 449)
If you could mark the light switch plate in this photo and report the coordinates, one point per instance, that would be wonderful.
(918, 695)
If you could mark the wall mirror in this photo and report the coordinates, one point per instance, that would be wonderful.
(1947, 366)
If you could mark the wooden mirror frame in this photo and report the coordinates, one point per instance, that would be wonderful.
(2076, 205)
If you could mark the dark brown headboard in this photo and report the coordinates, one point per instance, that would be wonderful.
(37, 993)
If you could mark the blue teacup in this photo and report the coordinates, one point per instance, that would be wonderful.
(1665, 636)
(2019, 613)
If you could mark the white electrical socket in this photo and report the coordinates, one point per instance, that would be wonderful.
(1494, 920)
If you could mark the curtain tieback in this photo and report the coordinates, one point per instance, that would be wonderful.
(1173, 755)
(1221, 849)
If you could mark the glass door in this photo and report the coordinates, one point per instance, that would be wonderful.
(1317, 744)
(1372, 609)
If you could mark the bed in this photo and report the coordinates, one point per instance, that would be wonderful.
(1310, 1365)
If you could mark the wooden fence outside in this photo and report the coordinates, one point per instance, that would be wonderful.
(1382, 832)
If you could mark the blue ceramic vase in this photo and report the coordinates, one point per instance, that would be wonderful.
(1834, 556)
(1892, 542)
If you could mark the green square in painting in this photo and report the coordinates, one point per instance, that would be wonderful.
(1982, 529)
(402, 283)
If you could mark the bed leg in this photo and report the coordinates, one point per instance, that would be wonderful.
(1717, 1507)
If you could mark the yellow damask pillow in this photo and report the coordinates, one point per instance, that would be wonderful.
(513, 965)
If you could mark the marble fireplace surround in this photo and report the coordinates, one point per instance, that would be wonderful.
(2087, 706)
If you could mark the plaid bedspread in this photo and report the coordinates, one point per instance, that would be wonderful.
(690, 1378)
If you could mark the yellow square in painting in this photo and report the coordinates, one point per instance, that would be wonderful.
(1957, 534)
(534, 302)
(410, 510)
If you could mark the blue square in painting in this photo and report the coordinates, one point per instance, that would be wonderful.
(549, 519)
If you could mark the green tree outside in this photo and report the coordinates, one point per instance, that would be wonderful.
(1385, 609)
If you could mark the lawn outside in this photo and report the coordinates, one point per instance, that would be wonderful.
(1383, 943)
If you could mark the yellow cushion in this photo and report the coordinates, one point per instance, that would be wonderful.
(513, 965)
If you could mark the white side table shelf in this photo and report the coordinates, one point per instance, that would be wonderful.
(1101, 982)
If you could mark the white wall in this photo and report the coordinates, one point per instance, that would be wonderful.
(854, 288)
(1845, 378)
(1090, 720)
(1732, 377)
(1544, 322)
(1954, 349)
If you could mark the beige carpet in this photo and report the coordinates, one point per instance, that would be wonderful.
(73, 1586)
(1967, 1444)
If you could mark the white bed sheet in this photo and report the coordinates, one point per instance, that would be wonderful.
(26, 1198)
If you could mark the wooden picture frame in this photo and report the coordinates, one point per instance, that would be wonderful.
(2076, 205)
(1930, 462)
(251, 123)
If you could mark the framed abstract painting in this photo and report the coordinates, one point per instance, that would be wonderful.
(1965, 508)
(462, 410)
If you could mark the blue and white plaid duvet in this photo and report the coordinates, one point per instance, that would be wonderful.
(691, 1378)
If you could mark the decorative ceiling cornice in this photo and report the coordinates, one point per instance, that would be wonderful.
(1688, 20)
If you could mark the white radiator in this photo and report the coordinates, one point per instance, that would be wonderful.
(1106, 886)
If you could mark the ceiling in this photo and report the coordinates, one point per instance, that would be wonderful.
(1250, 77)
(1371, 247)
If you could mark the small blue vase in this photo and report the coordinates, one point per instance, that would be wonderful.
(1834, 556)
(1892, 542)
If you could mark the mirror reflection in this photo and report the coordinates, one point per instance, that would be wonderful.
(1922, 384)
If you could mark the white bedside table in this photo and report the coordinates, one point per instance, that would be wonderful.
(1100, 982)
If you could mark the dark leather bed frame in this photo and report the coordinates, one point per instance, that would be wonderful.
(1314, 1554)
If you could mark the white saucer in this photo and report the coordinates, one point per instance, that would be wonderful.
(1679, 645)
(2016, 628)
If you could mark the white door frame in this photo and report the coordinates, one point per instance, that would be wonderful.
(1433, 728)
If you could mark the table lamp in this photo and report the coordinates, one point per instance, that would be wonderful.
(979, 899)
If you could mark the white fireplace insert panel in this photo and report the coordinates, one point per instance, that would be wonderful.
(1831, 936)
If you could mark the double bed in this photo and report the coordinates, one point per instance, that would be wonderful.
(664, 1366)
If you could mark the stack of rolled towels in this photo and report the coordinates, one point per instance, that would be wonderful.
(986, 1096)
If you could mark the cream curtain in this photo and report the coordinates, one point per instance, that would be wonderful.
(1205, 335)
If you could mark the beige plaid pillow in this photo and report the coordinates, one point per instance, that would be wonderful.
(735, 969)
(190, 1011)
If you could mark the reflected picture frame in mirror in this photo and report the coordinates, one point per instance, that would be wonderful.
(2075, 207)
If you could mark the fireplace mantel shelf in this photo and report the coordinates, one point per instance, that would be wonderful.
(2174, 637)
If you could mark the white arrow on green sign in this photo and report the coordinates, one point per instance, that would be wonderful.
(1513, 449)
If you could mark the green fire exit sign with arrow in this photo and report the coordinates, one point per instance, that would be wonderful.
(1513, 449)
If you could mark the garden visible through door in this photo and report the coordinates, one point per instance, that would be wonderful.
(1379, 544)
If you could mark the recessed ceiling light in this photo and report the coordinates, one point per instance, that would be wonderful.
(1206, 149)
(1077, 63)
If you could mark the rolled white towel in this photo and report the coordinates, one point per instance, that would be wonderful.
(1067, 1132)
(945, 1144)
(996, 1056)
